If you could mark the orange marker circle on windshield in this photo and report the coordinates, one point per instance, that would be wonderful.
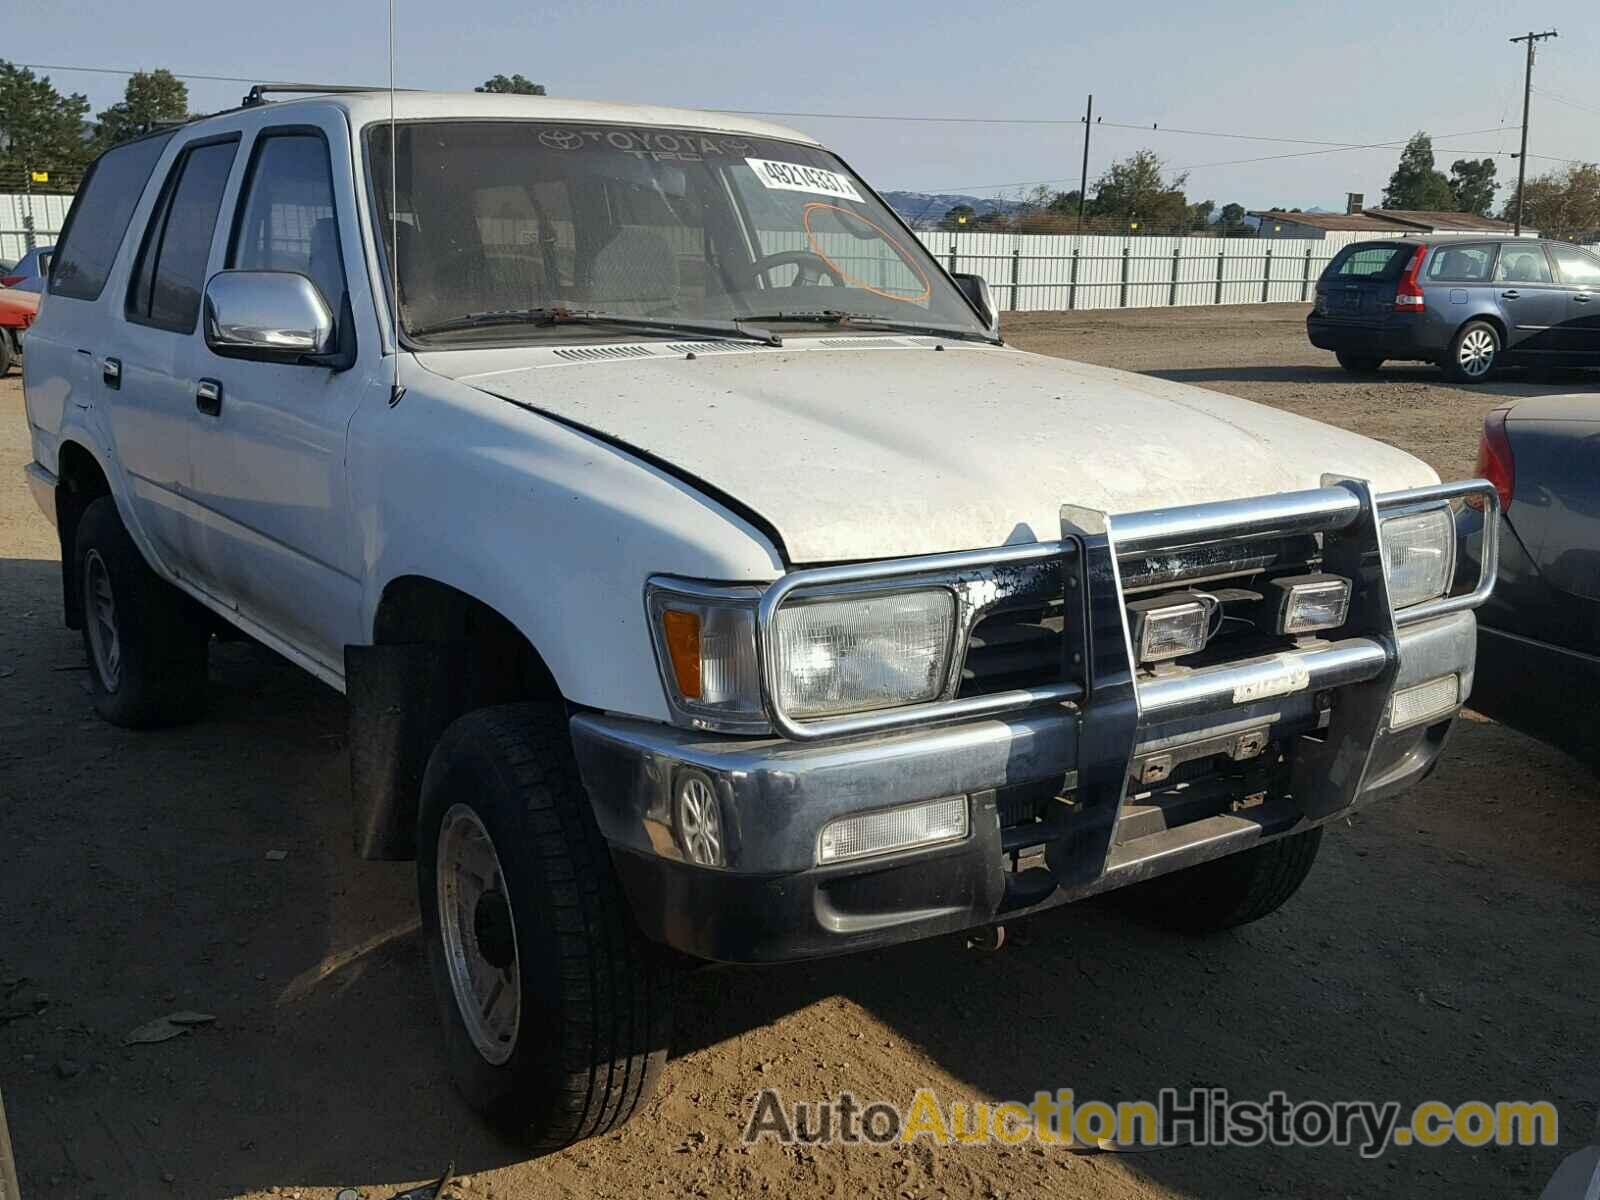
(811, 237)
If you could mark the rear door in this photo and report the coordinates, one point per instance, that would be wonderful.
(1579, 272)
(1359, 284)
(151, 391)
(1533, 304)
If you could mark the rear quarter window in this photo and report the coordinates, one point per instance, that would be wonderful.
(1368, 262)
(1461, 264)
(100, 215)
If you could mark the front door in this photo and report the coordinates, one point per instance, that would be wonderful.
(1579, 272)
(268, 456)
(1534, 304)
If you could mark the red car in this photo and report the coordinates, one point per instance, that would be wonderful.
(17, 310)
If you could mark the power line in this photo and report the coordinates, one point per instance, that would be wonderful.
(1340, 149)
(1560, 99)
(1152, 127)
(138, 70)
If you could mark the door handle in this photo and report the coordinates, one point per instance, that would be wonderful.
(1511, 295)
(111, 373)
(208, 397)
(1582, 298)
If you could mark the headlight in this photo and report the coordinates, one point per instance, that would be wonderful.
(1421, 553)
(706, 644)
(851, 654)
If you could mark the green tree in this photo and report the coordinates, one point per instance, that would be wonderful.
(1472, 184)
(1415, 184)
(1200, 214)
(151, 99)
(1137, 189)
(519, 85)
(1562, 204)
(40, 129)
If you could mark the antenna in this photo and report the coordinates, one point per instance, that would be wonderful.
(396, 392)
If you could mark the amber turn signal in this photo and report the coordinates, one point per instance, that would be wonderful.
(683, 647)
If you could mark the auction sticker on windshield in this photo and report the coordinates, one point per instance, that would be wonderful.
(797, 177)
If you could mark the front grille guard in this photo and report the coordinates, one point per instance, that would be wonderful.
(1098, 669)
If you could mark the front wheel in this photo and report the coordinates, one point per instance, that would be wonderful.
(556, 1010)
(1227, 892)
(1473, 353)
(6, 352)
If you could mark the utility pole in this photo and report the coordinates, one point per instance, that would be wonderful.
(1083, 183)
(1527, 96)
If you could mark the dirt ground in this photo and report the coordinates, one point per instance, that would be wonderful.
(1446, 946)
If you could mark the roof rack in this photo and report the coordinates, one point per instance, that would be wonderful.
(258, 94)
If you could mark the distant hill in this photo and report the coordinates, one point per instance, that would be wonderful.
(927, 207)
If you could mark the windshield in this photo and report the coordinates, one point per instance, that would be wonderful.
(504, 218)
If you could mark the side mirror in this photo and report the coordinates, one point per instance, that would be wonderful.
(269, 316)
(976, 289)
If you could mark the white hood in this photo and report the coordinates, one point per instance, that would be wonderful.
(876, 453)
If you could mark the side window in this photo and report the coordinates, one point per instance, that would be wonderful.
(286, 220)
(100, 216)
(1522, 264)
(1461, 264)
(171, 271)
(1576, 267)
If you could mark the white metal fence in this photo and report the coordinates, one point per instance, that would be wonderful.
(1051, 272)
(22, 215)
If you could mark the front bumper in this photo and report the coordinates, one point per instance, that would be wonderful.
(772, 902)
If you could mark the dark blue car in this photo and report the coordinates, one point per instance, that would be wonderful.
(1465, 304)
(1539, 634)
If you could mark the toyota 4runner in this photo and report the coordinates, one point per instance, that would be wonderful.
(706, 577)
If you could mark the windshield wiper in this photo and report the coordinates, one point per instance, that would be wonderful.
(558, 315)
(832, 316)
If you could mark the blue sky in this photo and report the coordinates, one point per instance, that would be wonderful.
(1358, 71)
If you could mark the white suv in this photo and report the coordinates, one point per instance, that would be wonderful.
(706, 577)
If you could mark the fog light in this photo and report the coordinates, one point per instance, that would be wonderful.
(1303, 603)
(698, 818)
(1414, 705)
(915, 825)
(1163, 627)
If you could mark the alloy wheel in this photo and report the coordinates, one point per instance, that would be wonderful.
(1476, 353)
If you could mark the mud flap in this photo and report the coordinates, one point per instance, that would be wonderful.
(401, 699)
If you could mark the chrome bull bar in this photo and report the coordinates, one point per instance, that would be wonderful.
(1346, 511)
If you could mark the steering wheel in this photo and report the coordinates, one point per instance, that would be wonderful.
(812, 267)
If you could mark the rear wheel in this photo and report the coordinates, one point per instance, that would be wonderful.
(145, 640)
(1359, 364)
(1227, 892)
(1473, 353)
(6, 352)
(556, 1010)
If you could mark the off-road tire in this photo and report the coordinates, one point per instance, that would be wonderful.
(1452, 363)
(1226, 892)
(1358, 364)
(162, 636)
(596, 997)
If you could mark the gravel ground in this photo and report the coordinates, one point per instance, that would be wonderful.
(1447, 944)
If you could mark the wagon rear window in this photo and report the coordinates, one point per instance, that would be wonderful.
(1369, 262)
